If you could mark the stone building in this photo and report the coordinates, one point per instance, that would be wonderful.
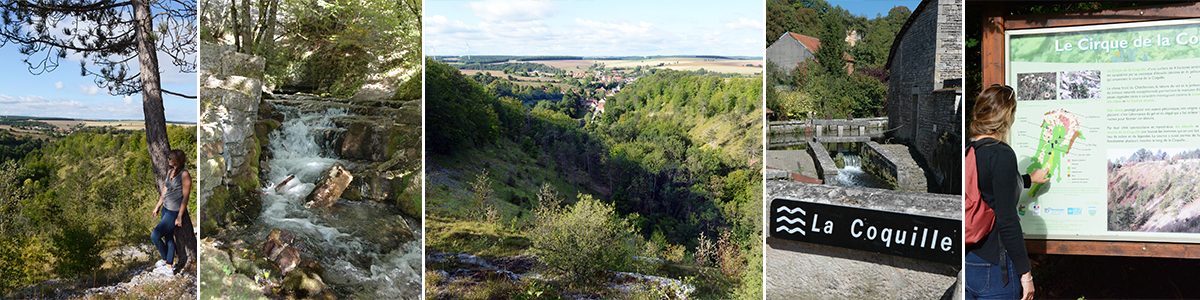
(791, 49)
(925, 89)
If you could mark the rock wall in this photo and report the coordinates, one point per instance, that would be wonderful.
(797, 270)
(230, 95)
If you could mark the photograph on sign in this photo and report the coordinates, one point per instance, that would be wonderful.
(1119, 139)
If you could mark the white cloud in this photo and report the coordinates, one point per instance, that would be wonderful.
(89, 90)
(32, 105)
(128, 99)
(58, 85)
(498, 10)
(744, 23)
(440, 25)
(618, 33)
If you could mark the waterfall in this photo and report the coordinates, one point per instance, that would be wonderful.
(356, 242)
(852, 174)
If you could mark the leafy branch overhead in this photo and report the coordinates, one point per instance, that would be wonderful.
(319, 46)
(103, 35)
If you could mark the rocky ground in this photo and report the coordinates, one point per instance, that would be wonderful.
(141, 280)
(452, 275)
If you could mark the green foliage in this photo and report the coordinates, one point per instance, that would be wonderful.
(66, 203)
(327, 47)
(464, 107)
(77, 250)
(583, 239)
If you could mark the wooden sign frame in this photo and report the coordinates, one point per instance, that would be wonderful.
(992, 51)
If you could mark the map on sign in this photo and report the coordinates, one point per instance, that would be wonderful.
(1060, 128)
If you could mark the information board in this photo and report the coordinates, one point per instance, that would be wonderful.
(930, 238)
(1113, 112)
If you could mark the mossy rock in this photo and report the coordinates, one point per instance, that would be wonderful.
(211, 220)
(410, 89)
(218, 276)
(263, 129)
(228, 206)
(408, 196)
(303, 283)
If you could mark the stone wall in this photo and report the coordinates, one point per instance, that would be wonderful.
(230, 95)
(798, 270)
(827, 171)
(787, 52)
(925, 86)
(898, 168)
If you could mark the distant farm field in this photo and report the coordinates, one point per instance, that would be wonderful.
(129, 125)
(737, 66)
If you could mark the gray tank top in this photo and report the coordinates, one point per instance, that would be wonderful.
(174, 192)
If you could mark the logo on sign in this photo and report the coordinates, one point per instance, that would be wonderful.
(1092, 211)
(1021, 211)
(1071, 211)
(1037, 210)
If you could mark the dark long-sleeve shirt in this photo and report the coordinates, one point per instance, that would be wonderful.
(1000, 185)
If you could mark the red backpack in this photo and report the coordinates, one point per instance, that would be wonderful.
(977, 215)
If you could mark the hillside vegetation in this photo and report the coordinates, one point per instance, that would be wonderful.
(665, 182)
(1154, 192)
(66, 206)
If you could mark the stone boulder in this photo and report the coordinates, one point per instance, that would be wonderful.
(304, 284)
(218, 281)
(287, 252)
(330, 187)
(290, 254)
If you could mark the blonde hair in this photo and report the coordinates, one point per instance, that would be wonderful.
(993, 113)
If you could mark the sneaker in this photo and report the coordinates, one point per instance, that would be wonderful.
(160, 263)
(164, 270)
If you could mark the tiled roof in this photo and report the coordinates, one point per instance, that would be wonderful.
(809, 42)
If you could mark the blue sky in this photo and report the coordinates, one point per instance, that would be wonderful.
(873, 8)
(64, 93)
(594, 28)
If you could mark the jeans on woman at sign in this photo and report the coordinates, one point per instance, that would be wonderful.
(986, 281)
(163, 235)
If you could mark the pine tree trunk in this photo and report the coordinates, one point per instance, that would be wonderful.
(152, 107)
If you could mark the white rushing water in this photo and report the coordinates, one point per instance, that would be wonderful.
(356, 242)
(852, 174)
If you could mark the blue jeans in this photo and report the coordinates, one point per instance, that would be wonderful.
(985, 281)
(163, 235)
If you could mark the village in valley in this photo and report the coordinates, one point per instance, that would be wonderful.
(586, 81)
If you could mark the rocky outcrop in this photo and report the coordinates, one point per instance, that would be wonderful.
(329, 187)
(230, 96)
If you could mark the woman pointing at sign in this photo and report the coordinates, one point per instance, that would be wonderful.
(993, 264)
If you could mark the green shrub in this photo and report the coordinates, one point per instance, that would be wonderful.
(77, 250)
(583, 239)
